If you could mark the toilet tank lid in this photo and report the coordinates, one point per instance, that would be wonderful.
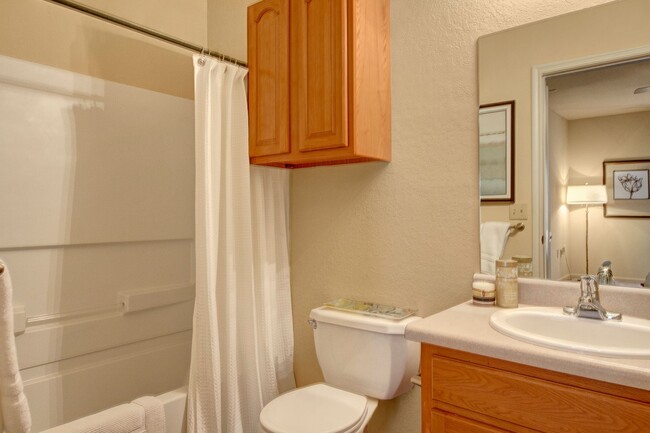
(361, 321)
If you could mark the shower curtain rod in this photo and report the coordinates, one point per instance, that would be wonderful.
(144, 30)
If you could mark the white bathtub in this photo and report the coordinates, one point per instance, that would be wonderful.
(173, 403)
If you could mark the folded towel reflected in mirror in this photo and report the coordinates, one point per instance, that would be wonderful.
(494, 235)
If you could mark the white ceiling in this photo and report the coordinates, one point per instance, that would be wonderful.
(600, 92)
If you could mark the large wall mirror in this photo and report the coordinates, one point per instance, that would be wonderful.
(580, 83)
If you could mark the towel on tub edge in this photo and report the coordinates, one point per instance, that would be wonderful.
(144, 415)
(154, 414)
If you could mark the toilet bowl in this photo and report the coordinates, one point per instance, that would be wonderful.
(364, 359)
(318, 408)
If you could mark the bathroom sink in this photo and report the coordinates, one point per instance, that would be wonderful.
(549, 327)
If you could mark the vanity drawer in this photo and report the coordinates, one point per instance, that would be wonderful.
(530, 402)
(449, 423)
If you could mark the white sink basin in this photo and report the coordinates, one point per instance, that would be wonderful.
(549, 327)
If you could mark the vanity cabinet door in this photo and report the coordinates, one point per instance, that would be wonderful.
(460, 387)
(268, 77)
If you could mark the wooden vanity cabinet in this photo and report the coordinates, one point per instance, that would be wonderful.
(319, 82)
(468, 393)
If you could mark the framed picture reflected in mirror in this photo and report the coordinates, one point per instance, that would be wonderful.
(497, 152)
(628, 193)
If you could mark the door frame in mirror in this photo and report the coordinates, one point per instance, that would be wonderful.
(539, 116)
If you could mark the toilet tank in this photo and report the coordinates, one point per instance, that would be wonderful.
(367, 355)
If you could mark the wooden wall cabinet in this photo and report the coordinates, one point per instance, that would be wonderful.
(319, 82)
(468, 393)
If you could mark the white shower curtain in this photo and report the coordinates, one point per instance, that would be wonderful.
(242, 345)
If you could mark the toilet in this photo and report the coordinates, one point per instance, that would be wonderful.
(363, 358)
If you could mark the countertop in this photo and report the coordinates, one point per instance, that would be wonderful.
(466, 327)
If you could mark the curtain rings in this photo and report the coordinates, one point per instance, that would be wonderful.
(202, 59)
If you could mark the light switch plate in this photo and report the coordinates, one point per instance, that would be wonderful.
(519, 212)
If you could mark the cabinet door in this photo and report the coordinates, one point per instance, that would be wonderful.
(268, 80)
(319, 112)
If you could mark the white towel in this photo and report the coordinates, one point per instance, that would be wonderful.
(125, 418)
(144, 415)
(14, 411)
(154, 414)
(494, 235)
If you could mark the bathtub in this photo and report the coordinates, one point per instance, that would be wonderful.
(173, 405)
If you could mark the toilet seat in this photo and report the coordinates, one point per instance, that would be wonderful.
(316, 408)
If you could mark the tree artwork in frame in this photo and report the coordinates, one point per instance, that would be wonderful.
(628, 193)
(497, 152)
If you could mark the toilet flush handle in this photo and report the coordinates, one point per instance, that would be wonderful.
(313, 323)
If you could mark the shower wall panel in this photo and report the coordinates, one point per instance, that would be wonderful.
(96, 198)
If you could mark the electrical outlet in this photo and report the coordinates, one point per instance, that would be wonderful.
(519, 212)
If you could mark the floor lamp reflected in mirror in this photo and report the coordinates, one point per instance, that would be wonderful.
(586, 195)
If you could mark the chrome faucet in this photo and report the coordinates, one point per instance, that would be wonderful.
(589, 302)
(605, 274)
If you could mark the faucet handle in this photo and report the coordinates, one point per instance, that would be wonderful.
(589, 289)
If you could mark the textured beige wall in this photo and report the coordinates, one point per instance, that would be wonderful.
(186, 20)
(227, 26)
(505, 62)
(405, 233)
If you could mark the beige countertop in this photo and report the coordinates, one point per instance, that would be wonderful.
(466, 327)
